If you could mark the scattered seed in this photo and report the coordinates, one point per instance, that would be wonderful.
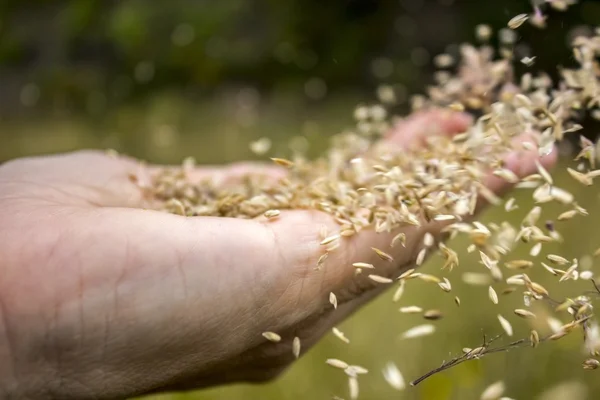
(433, 315)
(380, 279)
(333, 300)
(493, 295)
(493, 391)
(505, 325)
(418, 331)
(296, 347)
(517, 21)
(272, 337)
(393, 376)
(337, 363)
(383, 255)
(524, 313)
(411, 310)
(340, 335)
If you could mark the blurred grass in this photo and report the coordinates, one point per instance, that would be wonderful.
(165, 129)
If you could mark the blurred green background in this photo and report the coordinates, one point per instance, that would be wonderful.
(164, 80)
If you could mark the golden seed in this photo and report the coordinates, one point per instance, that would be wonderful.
(433, 315)
(283, 162)
(524, 313)
(383, 255)
(380, 279)
(296, 347)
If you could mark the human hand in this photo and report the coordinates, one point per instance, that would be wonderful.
(100, 298)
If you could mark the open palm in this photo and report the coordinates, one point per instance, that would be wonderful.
(101, 298)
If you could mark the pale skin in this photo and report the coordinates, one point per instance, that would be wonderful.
(102, 299)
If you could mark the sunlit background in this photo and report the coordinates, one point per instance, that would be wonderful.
(163, 80)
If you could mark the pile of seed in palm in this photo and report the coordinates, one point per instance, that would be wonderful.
(365, 185)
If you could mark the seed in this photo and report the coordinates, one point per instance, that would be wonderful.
(406, 273)
(539, 289)
(528, 61)
(393, 376)
(421, 257)
(336, 363)
(457, 301)
(363, 265)
(558, 335)
(557, 259)
(510, 205)
(493, 391)
(333, 300)
(433, 315)
(524, 313)
(446, 286)
(272, 337)
(399, 238)
(380, 279)
(544, 173)
(534, 338)
(418, 331)
(581, 178)
(296, 347)
(340, 335)
(399, 292)
(505, 325)
(517, 21)
(591, 363)
(353, 387)
(411, 310)
(383, 255)
(321, 260)
(283, 162)
(567, 215)
(518, 264)
(493, 295)
(330, 239)
(536, 250)
(507, 175)
(429, 278)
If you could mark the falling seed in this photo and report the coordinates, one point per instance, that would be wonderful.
(363, 265)
(557, 259)
(353, 387)
(493, 391)
(383, 255)
(534, 338)
(524, 313)
(380, 279)
(591, 363)
(428, 239)
(528, 61)
(581, 178)
(272, 337)
(558, 335)
(399, 292)
(433, 315)
(260, 146)
(457, 301)
(544, 173)
(518, 264)
(418, 331)
(536, 250)
(492, 295)
(296, 347)
(283, 162)
(334, 362)
(517, 21)
(399, 238)
(505, 325)
(340, 335)
(567, 215)
(333, 300)
(445, 285)
(411, 310)
(393, 376)
(421, 257)
(510, 205)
